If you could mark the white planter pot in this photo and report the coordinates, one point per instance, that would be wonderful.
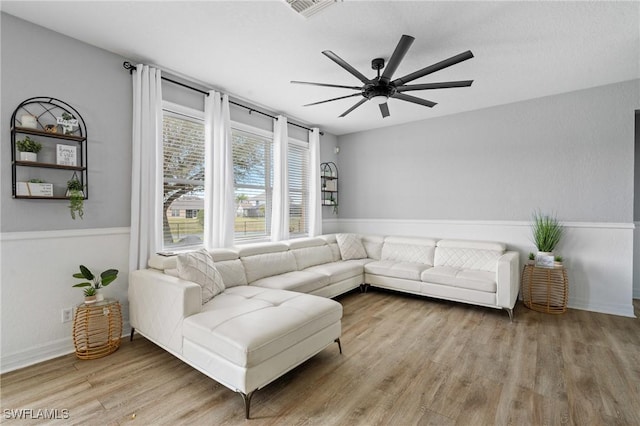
(28, 156)
(99, 296)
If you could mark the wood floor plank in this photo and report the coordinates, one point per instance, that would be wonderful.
(407, 361)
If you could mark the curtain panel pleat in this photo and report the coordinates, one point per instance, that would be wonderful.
(219, 185)
(315, 208)
(146, 193)
(280, 208)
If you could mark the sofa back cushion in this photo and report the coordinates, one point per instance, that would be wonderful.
(312, 256)
(464, 254)
(232, 272)
(265, 265)
(409, 249)
(373, 246)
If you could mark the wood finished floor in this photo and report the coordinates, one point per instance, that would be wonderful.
(406, 361)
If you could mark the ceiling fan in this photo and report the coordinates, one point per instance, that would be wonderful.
(380, 88)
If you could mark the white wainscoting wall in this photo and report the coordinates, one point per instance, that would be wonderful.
(36, 276)
(598, 256)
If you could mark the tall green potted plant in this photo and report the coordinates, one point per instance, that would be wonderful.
(546, 232)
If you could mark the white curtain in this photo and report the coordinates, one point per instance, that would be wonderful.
(315, 208)
(219, 197)
(280, 207)
(146, 190)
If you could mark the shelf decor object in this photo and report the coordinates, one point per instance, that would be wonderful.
(97, 329)
(329, 184)
(545, 289)
(48, 121)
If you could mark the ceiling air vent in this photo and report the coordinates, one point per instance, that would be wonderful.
(307, 8)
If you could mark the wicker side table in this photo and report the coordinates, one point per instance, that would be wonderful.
(97, 329)
(545, 289)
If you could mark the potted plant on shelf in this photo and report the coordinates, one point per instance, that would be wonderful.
(94, 283)
(75, 192)
(557, 261)
(29, 149)
(546, 232)
(532, 259)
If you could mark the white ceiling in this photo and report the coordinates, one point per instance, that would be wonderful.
(252, 50)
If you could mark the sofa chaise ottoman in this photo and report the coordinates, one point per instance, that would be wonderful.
(244, 338)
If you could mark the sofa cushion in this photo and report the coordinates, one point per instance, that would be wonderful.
(390, 268)
(311, 256)
(335, 252)
(268, 264)
(232, 272)
(198, 266)
(247, 325)
(409, 249)
(462, 254)
(351, 246)
(338, 271)
(462, 278)
(301, 281)
(373, 246)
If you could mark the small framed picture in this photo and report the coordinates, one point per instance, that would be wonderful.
(66, 155)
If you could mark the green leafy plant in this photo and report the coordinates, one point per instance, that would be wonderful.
(558, 259)
(36, 181)
(93, 281)
(28, 145)
(546, 231)
(76, 197)
(532, 256)
(89, 291)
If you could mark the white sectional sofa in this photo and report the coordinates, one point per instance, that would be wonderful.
(270, 319)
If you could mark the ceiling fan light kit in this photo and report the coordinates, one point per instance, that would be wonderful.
(381, 88)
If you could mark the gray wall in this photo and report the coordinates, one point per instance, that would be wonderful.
(39, 62)
(572, 154)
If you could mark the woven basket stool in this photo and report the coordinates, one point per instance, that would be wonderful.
(545, 289)
(97, 329)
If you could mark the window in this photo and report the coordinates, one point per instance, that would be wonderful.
(183, 176)
(298, 162)
(253, 181)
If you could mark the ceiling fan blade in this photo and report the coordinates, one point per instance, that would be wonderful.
(401, 49)
(384, 109)
(335, 99)
(326, 85)
(363, 100)
(414, 100)
(433, 68)
(427, 86)
(338, 60)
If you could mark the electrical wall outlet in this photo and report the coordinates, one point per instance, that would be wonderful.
(67, 315)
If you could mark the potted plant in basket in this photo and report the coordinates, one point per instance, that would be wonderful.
(94, 283)
(75, 192)
(29, 149)
(546, 231)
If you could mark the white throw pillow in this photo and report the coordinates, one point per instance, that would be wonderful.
(351, 246)
(198, 266)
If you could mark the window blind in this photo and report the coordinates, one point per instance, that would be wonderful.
(183, 179)
(298, 168)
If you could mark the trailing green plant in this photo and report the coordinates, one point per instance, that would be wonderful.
(93, 281)
(546, 231)
(28, 145)
(76, 197)
(89, 291)
(74, 184)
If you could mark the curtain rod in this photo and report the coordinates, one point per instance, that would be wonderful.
(129, 66)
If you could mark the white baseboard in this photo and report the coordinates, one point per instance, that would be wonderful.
(41, 353)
